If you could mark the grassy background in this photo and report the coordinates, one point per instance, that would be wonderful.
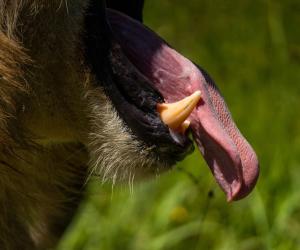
(252, 49)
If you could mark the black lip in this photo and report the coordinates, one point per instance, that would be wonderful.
(132, 8)
(129, 90)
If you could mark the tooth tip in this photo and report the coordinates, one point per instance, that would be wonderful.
(197, 92)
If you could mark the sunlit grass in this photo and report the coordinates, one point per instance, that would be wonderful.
(252, 49)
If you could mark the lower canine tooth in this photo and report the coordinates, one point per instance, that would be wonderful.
(175, 114)
(184, 126)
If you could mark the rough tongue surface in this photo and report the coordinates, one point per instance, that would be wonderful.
(230, 157)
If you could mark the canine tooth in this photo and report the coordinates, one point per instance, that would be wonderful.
(175, 114)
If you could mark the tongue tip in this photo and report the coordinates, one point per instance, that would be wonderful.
(233, 191)
(242, 190)
(247, 188)
(239, 190)
(249, 182)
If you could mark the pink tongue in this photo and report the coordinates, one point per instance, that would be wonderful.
(230, 157)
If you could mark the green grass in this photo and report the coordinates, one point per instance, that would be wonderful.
(252, 50)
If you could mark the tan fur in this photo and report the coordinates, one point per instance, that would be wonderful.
(56, 128)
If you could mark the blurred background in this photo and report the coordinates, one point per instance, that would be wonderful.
(252, 50)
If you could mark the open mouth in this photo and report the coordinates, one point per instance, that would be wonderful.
(144, 74)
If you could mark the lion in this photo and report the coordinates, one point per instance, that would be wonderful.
(87, 90)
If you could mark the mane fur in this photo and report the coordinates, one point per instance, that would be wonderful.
(44, 87)
(13, 60)
(36, 201)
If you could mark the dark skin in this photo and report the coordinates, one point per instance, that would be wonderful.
(132, 8)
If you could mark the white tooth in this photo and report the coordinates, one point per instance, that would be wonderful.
(184, 126)
(175, 114)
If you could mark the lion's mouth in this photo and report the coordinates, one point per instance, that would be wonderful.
(146, 71)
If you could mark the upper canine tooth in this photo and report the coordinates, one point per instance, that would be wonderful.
(174, 114)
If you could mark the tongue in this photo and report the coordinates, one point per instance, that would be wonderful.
(230, 157)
